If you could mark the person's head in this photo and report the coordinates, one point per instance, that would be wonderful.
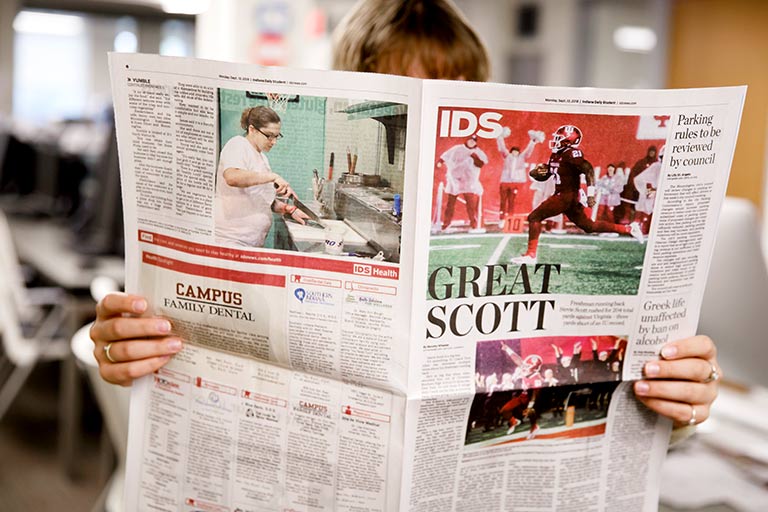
(651, 154)
(549, 374)
(471, 142)
(514, 151)
(603, 355)
(418, 38)
(262, 127)
(611, 169)
(565, 361)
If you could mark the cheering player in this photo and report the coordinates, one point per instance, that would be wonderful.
(567, 164)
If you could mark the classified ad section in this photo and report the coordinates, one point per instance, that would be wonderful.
(220, 433)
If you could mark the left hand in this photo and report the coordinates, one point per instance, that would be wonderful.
(677, 384)
(299, 216)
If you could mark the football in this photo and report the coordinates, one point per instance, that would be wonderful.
(540, 173)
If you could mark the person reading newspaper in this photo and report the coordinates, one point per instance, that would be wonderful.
(424, 39)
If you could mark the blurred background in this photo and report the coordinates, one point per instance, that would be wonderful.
(59, 190)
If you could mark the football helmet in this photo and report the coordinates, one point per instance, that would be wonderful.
(532, 364)
(567, 135)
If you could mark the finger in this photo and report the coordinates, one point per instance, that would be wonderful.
(696, 346)
(117, 303)
(680, 413)
(125, 373)
(692, 368)
(134, 350)
(126, 328)
(677, 391)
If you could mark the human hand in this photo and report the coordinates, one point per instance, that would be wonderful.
(137, 345)
(281, 185)
(683, 384)
(577, 348)
(299, 216)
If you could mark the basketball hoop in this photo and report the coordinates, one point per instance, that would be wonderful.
(278, 102)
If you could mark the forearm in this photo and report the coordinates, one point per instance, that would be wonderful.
(240, 178)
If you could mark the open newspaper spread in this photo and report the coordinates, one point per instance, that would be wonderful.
(449, 323)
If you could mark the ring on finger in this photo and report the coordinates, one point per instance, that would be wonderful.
(714, 375)
(106, 353)
(692, 421)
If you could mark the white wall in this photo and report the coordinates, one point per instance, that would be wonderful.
(8, 9)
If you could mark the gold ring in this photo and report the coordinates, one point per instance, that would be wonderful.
(692, 421)
(713, 375)
(106, 353)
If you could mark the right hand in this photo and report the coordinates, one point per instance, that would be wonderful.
(139, 345)
(282, 186)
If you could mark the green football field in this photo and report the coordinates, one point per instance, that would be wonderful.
(590, 264)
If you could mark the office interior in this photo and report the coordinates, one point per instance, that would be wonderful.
(62, 432)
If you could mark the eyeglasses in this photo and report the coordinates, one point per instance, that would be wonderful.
(268, 136)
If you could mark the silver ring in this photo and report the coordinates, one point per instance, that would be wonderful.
(106, 353)
(713, 374)
(692, 421)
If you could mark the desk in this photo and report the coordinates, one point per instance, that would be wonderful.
(47, 247)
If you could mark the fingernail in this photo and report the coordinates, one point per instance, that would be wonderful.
(139, 306)
(642, 388)
(164, 326)
(174, 345)
(669, 351)
(652, 369)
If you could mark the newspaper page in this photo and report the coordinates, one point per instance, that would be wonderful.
(369, 339)
(536, 311)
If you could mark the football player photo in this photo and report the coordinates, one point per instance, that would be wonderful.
(551, 387)
(540, 204)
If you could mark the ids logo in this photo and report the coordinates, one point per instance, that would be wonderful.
(361, 270)
(460, 123)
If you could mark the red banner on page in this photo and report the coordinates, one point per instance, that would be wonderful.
(354, 266)
(215, 272)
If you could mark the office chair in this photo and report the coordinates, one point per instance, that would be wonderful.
(113, 402)
(30, 322)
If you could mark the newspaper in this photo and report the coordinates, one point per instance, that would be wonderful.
(386, 349)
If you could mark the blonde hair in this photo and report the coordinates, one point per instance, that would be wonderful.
(258, 117)
(399, 36)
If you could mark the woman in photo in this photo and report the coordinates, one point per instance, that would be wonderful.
(246, 188)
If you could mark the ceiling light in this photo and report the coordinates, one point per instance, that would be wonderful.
(634, 39)
(33, 22)
(185, 6)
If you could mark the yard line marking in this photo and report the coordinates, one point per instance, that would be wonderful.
(499, 249)
(454, 247)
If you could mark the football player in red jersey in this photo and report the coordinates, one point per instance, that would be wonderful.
(567, 164)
